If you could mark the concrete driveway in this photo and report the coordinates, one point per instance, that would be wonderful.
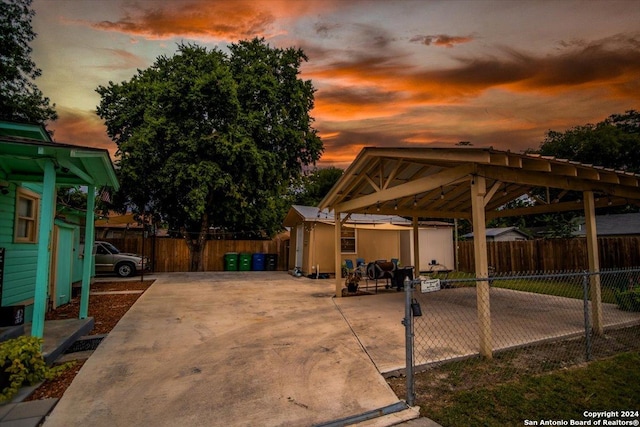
(228, 349)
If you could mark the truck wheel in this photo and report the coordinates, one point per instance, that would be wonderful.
(125, 269)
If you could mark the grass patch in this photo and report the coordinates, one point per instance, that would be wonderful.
(611, 384)
(551, 287)
(543, 381)
(567, 287)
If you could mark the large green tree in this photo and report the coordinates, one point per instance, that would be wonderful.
(208, 140)
(613, 142)
(20, 98)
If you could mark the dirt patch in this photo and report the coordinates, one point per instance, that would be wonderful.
(107, 310)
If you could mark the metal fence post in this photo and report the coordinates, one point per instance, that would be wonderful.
(587, 323)
(408, 333)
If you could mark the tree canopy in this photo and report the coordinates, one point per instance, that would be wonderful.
(314, 186)
(613, 142)
(210, 140)
(20, 98)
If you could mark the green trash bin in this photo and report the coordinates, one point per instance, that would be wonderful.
(244, 262)
(231, 261)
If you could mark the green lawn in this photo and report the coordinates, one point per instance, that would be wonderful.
(568, 287)
(611, 384)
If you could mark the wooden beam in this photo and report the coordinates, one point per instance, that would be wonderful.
(478, 190)
(410, 188)
(433, 154)
(556, 181)
(594, 263)
(491, 192)
(416, 247)
(372, 183)
(553, 207)
(536, 164)
(392, 174)
(338, 254)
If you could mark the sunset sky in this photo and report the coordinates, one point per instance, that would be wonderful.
(387, 73)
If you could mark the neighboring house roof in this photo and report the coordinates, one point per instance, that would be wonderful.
(614, 225)
(298, 214)
(114, 220)
(498, 231)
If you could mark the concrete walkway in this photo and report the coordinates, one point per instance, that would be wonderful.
(228, 349)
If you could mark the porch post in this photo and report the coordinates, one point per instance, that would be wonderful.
(338, 250)
(478, 191)
(43, 267)
(89, 238)
(416, 248)
(594, 262)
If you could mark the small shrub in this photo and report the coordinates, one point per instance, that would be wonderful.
(22, 363)
(629, 300)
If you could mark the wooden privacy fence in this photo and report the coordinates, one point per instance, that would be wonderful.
(172, 255)
(553, 254)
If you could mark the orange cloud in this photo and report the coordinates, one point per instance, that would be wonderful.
(218, 20)
(79, 127)
(223, 20)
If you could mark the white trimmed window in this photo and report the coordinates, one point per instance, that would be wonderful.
(348, 240)
(26, 225)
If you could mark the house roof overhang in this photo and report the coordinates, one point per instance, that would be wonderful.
(22, 160)
(435, 183)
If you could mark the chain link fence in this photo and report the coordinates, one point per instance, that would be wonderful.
(551, 319)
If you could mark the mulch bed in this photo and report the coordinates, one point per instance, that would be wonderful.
(107, 310)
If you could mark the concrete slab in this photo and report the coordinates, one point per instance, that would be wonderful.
(226, 349)
(448, 327)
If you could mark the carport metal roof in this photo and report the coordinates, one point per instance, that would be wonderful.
(476, 184)
(434, 182)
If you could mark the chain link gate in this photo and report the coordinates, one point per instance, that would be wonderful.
(526, 309)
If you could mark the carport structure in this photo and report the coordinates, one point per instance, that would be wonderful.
(476, 184)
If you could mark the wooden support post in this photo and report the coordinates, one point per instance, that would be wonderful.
(594, 263)
(338, 250)
(478, 191)
(416, 248)
(87, 262)
(43, 266)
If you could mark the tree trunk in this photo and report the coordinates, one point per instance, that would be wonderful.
(196, 246)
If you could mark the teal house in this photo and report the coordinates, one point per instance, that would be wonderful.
(40, 255)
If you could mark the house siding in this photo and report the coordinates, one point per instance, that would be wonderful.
(20, 258)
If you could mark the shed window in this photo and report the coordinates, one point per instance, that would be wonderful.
(348, 241)
(26, 223)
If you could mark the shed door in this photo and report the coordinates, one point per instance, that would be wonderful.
(63, 266)
(299, 244)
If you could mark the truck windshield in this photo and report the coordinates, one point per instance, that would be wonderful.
(111, 248)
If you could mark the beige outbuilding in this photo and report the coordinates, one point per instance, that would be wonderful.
(366, 237)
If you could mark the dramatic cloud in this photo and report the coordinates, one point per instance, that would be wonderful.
(615, 66)
(217, 20)
(84, 128)
(441, 40)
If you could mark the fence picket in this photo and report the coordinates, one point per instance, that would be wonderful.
(553, 254)
(172, 255)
